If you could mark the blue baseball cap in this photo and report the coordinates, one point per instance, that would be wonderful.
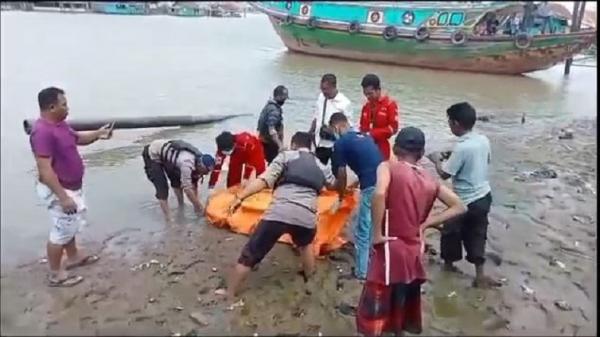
(207, 161)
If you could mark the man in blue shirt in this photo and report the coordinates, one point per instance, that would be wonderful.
(468, 166)
(361, 154)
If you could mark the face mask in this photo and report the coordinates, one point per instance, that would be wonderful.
(227, 153)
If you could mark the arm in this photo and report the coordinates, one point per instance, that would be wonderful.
(437, 162)
(331, 183)
(391, 128)
(273, 118)
(365, 122)
(342, 180)
(313, 126)
(338, 165)
(378, 203)
(454, 204)
(276, 136)
(452, 166)
(89, 137)
(188, 187)
(266, 180)
(214, 175)
(255, 186)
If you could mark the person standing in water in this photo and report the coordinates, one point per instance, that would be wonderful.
(468, 166)
(270, 123)
(402, 201)
(183, 165)
(60, 183)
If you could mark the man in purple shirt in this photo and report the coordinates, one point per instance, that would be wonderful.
(60, 169)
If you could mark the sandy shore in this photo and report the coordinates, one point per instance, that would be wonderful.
(542, 233)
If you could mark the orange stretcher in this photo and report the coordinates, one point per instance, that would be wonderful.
(330, 225)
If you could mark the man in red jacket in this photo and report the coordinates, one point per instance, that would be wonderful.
(379, 116)
(244, 149)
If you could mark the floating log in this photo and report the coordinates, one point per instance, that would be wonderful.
(138, 122)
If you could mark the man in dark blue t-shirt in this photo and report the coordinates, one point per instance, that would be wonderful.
(361, 154)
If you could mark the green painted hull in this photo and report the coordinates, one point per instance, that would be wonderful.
(485, 54)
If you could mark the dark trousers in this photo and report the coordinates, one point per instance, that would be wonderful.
(265, 237)
(271, 150)
(468, 230)
(323, 153)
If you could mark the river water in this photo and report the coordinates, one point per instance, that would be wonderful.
(118, 66)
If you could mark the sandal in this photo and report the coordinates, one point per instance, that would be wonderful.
(84, 262)
(66, 282)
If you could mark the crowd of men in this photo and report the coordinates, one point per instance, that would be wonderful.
(396, 193)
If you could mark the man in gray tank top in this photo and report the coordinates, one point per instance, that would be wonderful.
(296, 177)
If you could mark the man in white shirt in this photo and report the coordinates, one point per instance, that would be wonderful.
(330, 101)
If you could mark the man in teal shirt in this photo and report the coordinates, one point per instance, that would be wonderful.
(467, 165)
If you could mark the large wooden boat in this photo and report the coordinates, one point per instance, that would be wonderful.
(443, 35)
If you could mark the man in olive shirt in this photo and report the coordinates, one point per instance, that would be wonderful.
(297, 177)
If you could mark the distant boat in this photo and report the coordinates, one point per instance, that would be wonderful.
(122, 8)
(429, 34)
(188, 11)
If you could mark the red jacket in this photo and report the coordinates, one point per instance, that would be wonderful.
(380, 120)
(248, 151)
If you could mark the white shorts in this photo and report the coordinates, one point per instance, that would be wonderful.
(64, 226)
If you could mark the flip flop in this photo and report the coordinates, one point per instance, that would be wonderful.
(84, 262)
(68, 281)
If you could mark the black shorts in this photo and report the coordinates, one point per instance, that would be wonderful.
(470, 230)
(158, 174)
(265, 237)
(324, 153)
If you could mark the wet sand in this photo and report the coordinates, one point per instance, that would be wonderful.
(542, 232)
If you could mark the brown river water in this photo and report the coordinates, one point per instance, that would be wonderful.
(117, 66)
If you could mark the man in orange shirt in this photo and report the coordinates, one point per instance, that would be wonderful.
(244, 149)
(379, 116)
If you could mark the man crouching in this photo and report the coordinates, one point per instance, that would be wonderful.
(297, 177)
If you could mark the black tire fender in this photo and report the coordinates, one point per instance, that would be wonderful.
(354, 27)
(422, 33)
(458, 37)
(390, 33)
(523, 40)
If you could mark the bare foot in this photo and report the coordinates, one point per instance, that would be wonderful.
(449, 267)
(485, 282)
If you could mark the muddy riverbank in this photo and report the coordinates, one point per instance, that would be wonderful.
(542, 237)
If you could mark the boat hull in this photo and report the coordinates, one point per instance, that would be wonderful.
(484, 55)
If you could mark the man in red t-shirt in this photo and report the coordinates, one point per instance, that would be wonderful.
(245, 150)
(379, 116)
(401, 205)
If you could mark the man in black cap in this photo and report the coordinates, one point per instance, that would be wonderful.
(391, 297)
(270, 123)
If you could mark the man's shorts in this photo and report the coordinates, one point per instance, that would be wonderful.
(468, 230)
(64, 226)
(266, 235)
